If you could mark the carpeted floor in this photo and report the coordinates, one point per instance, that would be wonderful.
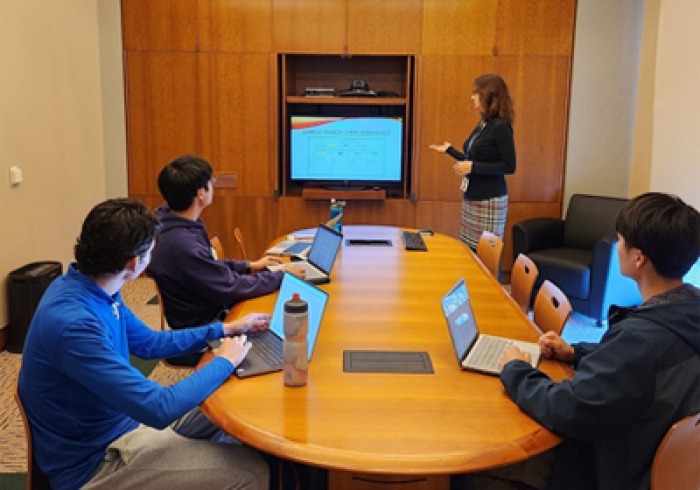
(138, 295)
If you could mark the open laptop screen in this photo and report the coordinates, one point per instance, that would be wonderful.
(325, 248)
(460, 318)
(315, 297)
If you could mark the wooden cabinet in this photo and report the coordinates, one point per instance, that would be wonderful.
(220, 78)
(390, 77)
(163, 113)
(347, 26)
(161, 24)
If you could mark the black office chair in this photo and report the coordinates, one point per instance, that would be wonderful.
(579, 254)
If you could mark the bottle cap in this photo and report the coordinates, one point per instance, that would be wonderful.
(296, 305)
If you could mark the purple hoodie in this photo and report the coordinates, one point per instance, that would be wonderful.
(195, 286)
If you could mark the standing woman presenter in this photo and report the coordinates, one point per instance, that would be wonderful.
(487, 155)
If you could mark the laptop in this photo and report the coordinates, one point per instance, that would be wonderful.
(475, 351)
(298, 244)
(321, 258)
(266, 355)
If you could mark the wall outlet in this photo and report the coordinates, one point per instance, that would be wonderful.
(15, 175)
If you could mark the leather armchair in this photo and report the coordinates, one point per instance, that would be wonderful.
(578, 254)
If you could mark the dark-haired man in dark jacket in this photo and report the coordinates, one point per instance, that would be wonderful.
(642, 377)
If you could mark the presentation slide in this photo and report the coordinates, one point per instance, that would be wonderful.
(346, 148)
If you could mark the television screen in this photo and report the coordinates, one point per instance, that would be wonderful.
(346, 150)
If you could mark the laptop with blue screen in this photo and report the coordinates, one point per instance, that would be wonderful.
(475, 351)
(266, 354)
(321, 257)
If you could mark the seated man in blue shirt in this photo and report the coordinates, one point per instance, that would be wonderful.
(642, 377)
(96, 421)
(195, 286)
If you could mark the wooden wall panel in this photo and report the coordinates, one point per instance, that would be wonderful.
(251, 215)
(293, 213)
(539, 88)
(447, 114)
(160, 24)
(459, 26)
(238, 107)
(309, 26)
(441, 216)
(384, 26)
(163, 117)
(536, 26)
(238, 26)
(201, 78)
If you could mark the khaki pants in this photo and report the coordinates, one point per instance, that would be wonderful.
(191, 453)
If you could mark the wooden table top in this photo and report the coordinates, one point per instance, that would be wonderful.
(387, 298)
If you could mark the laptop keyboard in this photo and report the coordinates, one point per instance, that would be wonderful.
(297, 248)
(489, 352)
(268, 346)
(413, 241)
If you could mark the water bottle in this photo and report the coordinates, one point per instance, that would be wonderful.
(336, 211)
(296, 344)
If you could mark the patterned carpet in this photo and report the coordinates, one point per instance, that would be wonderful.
(13, 447)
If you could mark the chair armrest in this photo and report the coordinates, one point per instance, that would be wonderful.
(537, 233)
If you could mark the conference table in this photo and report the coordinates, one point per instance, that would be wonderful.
(365, 426)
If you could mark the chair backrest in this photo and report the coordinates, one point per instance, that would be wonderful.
(590, 218)
(676, 461)
(489, 249)
(552, 308)
(241, 244)
(36, 480)
(217, 247)
(522, 279)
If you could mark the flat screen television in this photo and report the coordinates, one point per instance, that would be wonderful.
(346, 151)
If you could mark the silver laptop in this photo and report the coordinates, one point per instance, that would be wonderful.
(266, 355)
(321, 256)
(296, 246)
(475, 351)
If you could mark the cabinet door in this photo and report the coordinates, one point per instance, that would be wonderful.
(163, 117)
(459, 26)
(538, 85)
(384, 26)
(309, 26)
(542, 27)
(238, 120)
(239, 26)
(160, 24)
(447, 114)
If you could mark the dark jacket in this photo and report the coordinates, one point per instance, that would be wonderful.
(626, 391)
(493, 154)
(195, 286)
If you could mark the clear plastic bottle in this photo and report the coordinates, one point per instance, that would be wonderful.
(296, 343)
(336, 209)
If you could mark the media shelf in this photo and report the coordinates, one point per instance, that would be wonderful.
(317, 99)
(314, 193)
(390, 76)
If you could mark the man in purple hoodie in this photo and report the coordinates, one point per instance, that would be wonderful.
(195, 287)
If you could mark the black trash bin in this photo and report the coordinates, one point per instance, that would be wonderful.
(25, 287)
